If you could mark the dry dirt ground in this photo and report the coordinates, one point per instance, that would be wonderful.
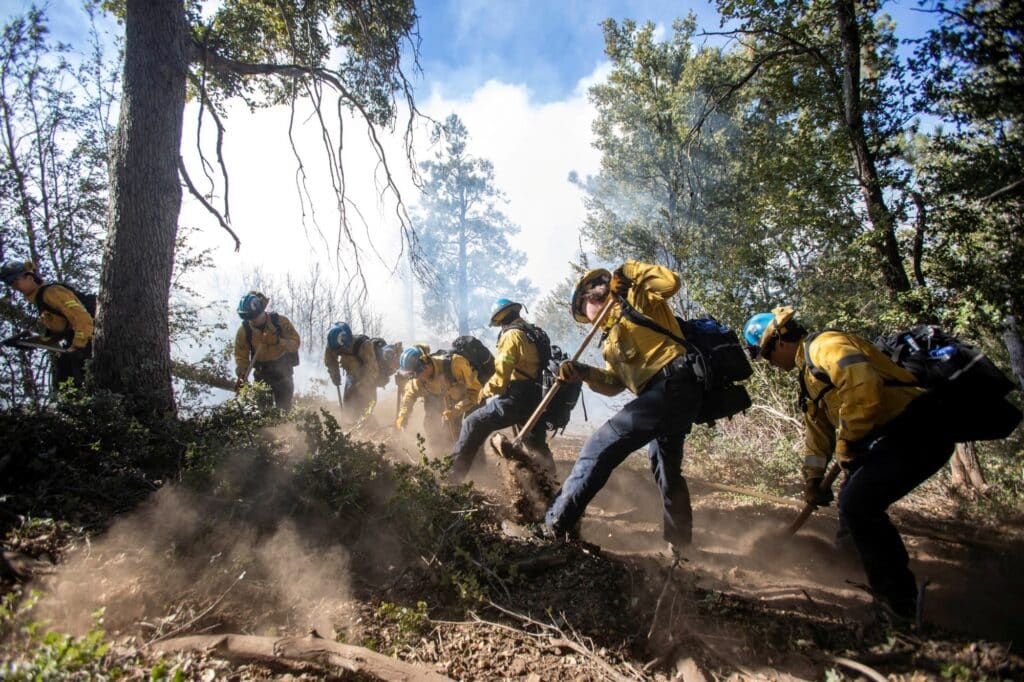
(741, 605)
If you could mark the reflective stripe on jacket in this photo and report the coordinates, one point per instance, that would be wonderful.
(286, 340)
(515, 359)
(364, 369)
(74, 320)
(465, 390)
(866, 395)
(632, 353)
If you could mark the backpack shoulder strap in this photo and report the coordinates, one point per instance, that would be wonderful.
(815, 371)
(357, 345)
(248, 337)
(638, 318)
(275, 320)
(41, 303)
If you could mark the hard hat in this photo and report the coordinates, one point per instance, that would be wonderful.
(339, 336)
(591, 278)
(252, 305)
(503, 309)
(763, 327)
(13, 269)
(412, 360)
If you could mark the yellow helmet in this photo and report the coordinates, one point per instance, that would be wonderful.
(596, 276)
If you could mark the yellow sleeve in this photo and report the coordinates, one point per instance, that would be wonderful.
(241, 352)
(64, 300)
(654, 278)
(819, 441)
(289, 336)
(604, 381)
(409, 395)
(331, 361)
(858, 387)
(465, 375)
(506, 357)
(369, 367)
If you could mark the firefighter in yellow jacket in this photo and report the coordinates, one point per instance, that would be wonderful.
(268, 344)
(512, 393)
(447, 376)
(854, 401)
(67, 324)
(652, 366)
(356, 355)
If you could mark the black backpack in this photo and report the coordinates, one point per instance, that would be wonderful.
(717, 358)
(539, 338)
(291, 358)
(556, 414)
(88, 301)
(480, 359)
(964, 390)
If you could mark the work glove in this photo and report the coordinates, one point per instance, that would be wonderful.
(400, 425)
(239, 383)
(449, 415)
(572, 372)
(813, 493)
(620, 284)
(12, 342)
(74, 353)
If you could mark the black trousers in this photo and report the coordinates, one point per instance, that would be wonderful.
(513, 408)
(279, 378)
(894, 464)
(660, 416)
(65, 366)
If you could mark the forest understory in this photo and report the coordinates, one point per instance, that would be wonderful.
(269, 563)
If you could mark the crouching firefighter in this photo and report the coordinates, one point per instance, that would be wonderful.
(853, 397)
(512, 393)
(267, 344)
(651, 365)
(66, 318)
(445, 376)
(358, 357)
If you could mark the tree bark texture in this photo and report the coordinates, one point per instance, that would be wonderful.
(966, 469)
(882, 221)
(132, 347)
(1015, 347)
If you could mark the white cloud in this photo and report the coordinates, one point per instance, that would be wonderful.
(533, 147)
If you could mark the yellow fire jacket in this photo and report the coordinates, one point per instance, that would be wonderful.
(632, 353)
(73, 317)
(465, 390)
(866, 395)
(362, 368)
(515, 359)
(270, 342)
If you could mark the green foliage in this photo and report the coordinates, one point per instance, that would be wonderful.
(410, 623)
(465, 236)
(32, 652)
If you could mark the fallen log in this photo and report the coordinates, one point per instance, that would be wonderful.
(360, 662)
(201, 375)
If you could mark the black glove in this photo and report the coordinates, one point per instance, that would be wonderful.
(813, 493)
(620, 284)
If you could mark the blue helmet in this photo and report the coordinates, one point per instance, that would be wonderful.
(412, 360)
(502, 310)
(13, 269)
(339, 336)
(251, 305)
(762, 327)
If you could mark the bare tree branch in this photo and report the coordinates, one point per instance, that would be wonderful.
(206, 204)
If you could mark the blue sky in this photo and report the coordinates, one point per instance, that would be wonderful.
(547, 45)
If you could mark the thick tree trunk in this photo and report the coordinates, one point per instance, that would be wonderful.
(132, 348)
(966, 469)
(882, 221)
(1014, 346)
